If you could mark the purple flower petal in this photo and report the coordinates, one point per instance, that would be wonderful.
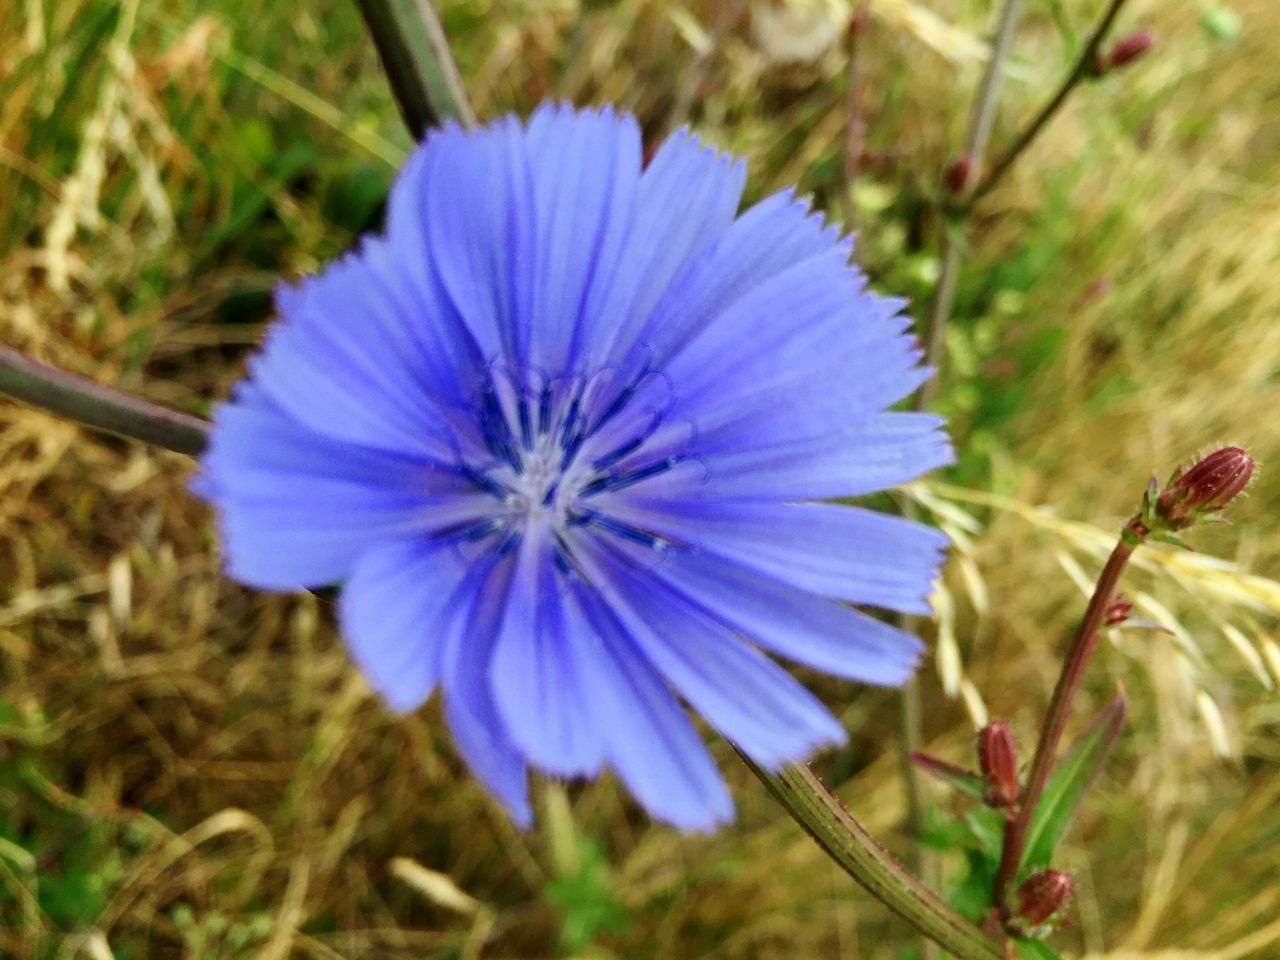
(740, 691)
(649, 740)
(467, 647)
(395, 609)
(836, 551)
(541, 675)
(298, 509)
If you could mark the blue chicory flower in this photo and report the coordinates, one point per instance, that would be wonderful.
(558, 433)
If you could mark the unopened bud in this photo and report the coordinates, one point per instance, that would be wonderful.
(1205, 487)
(998, 761)
(860, 20)
(957, 177)
(1129, 48)
(1042, 895)
(1118, 610)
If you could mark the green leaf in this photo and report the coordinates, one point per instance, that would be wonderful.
(586, 898)
(1033, 950)
(1069, 783)
(965, 781)
(972, 895)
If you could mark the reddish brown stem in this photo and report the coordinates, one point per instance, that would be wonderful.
(1082, 647)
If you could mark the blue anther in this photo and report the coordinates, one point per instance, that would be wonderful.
(571, 449)
(560, 556)
(626, 531)
(483, 481)
(526, 424)
(469, 530)
(544, 410)
(619, 481)
(620, 401)
(609, 459)
(508, 543)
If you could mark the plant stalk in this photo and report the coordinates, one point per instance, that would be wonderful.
(1084, 66)
(415, 56)
(981, 122)
(100, 407)
(1055, 722)
(812, 804)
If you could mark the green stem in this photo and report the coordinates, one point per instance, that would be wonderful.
(847, 842)
(95, 405)
(415, 55)
(981, 121)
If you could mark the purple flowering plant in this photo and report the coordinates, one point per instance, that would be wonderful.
(564, 434)
(568, 436)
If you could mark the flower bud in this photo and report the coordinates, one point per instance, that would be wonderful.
(860, 20)
(1042, 895)
(957, 177)
(1129, 48)
(1205, 488)
(998, 761)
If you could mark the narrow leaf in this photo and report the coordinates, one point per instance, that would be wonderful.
(1069, 783)
(1033, 950)
(966, 781)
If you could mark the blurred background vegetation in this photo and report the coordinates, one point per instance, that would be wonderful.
(189, 769)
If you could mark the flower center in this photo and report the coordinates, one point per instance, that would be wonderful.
(554, 448)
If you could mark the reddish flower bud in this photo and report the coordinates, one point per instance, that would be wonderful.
(998, 761)
(1118, 610)
(957, 177)
(1204, 488)
(1129, 49)
(860, 20)
(1042, 895)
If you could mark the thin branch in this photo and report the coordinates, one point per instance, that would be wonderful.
(812, 804)
(415, 55)
(100, 407)
(981, 122)
(1085, 66)
(1055, 722)
(855, 136)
